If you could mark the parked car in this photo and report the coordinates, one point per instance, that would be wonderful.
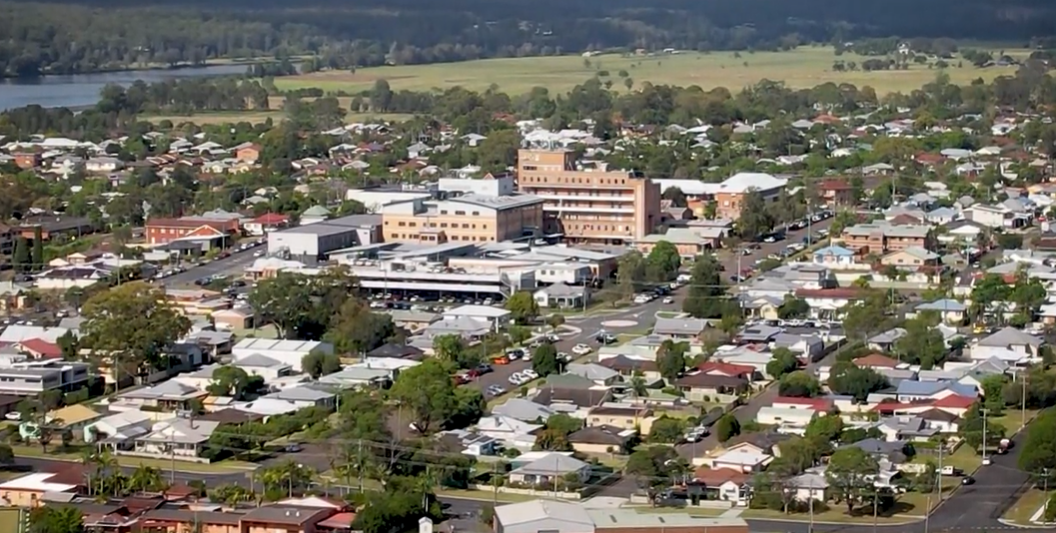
(581, 349)
(669, 300)
(496, 390)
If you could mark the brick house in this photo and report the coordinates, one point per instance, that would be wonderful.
(166, 230)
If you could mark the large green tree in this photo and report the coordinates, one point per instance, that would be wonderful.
(850, 475)
(522, 307)
(428, 392)
(130, 327)
(355, 329)
(755, 219)
(707, 296)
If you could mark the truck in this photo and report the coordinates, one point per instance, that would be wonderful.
(950, 471)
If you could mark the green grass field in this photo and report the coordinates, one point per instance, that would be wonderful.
(9, 520)
(803, 67)
(255, 117)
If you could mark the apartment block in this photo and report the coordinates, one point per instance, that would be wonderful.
(729, 193)
(34, 377)
(469, 218)
(881, 238)
(589, 205)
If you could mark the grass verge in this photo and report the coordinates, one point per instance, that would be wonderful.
(1025, 507)
(222, 467)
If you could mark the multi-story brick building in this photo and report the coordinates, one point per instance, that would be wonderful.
(469, 218)
(881, 238)
(730, 193)
(589, 205)
(836, 193)
(166, 230)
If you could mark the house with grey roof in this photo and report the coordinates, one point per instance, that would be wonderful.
(353, 377)
(562, 296)
(594, 372)
(523, 410)
(263, 366)
(550, 469)
(948, 310)
(680, 328)
(885, 341)
(303, 396)
(176, 438)
(1011, 345)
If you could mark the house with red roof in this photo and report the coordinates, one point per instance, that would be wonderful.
(39, 348)
(721, 368)
(267, 222)
(724, 484)
(820, 405)
(876, 360)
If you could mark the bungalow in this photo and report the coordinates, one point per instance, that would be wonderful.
(622, 416)
(551, 469)
(680, 328)
(720, 368)
(724, 484)
(701, 387)
(818, 405)
(1009, 344)
(177, 439)
(629, 367)
(743, 457)
(950, 311)
(29, 490)
(267, 222)
(789, 421)
(911, 258)
(829, 303)
(876, 361)
(906, 428)
(912, 391)
(835, 257)
(885, 341)
(601, 439)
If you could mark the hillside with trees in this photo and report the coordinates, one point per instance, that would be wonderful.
(92, 35)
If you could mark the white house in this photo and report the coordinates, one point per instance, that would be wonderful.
(789, 421)
(287, 352)
(1009, 344)
(263, 366)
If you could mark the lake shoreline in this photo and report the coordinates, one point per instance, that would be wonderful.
(147, 68)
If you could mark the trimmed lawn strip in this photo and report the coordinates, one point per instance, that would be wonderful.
(1025, 507)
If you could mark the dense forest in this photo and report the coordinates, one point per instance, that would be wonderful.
(92, 35)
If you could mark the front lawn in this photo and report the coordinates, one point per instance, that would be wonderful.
(1025, 507)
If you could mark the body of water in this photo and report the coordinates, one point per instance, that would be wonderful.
(79, 90)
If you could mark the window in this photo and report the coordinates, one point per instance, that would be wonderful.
(443, 212)
(476, 213)
(443, 224)
(465, 226)
(402, 224)
(460, 213)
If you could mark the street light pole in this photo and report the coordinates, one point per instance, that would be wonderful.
(984, 411)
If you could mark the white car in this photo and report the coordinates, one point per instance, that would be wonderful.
(515, 379)
(529, 373)
(581, 349)
(669, 300)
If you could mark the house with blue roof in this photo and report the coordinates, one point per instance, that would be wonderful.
(949, 310)
(834, 257)
(912, 391)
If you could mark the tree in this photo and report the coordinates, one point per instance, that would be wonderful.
(782, 362)
(428, 391)
(675, 195)
(555, 435)
(824, 429)
(755, 219)
(53, 519)
(727, 427)
(131, 326)
(380, 96)
(356, 329)
(318, 363)
(146, 479)
(850, 475)
(671, 359)
(38, 248)
(1039, 447)
(7, 457)
(449, 348)
(793, 307)
(655, 468)
(667, 430)
(663, 262)
(301, 306)
(923, 344)
(971, 429)
(545, 361)
(21, 258)
(847, 378)
(707, 293)
(555, 320)
(799, 384)
(522, 307)
(235, 382)
(867, 316)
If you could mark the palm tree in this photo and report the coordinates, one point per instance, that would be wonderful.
(638, 385)
(147, 479)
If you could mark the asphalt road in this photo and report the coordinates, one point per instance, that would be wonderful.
(235, 262)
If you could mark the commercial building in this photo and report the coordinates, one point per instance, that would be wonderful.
(469, 218)
(489, 185)
(729, 194)
(318, 239)
(589, 205)
(567, 517)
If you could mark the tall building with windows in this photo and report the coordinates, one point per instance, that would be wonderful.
(589, 205)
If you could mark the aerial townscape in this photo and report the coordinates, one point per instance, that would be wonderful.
(383, 268)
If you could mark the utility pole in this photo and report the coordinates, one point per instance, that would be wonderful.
(172, 456)
(359, 465)
(927, 510)
(810, 528)
(876, 495)
(984, 412)
(1023, 397)
(938, 473)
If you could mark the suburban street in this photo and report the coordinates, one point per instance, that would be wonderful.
(236, 262)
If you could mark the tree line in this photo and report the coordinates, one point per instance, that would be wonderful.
(73, 37)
